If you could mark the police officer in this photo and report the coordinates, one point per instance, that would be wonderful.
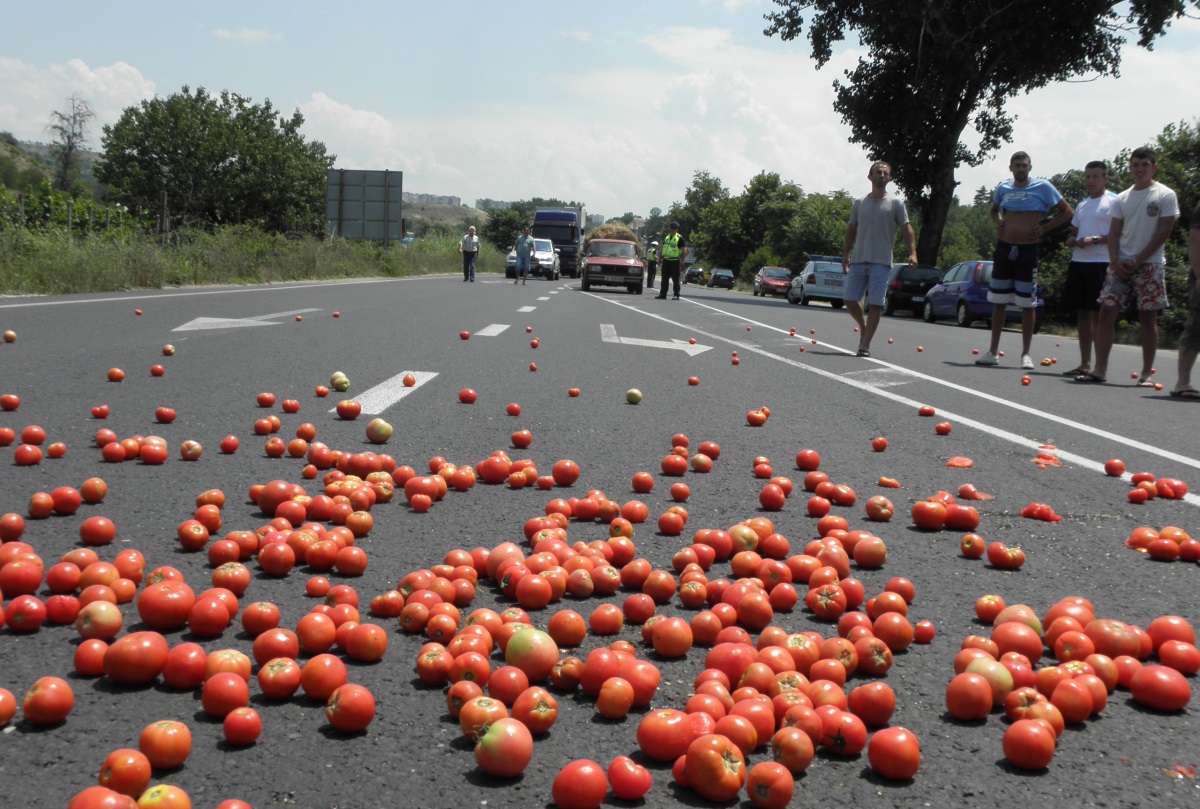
(673, 252)
(651, 263)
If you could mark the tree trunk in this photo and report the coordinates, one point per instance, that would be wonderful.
(934, 211)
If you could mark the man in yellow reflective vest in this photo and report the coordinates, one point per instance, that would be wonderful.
(673, 252)
(651, 263)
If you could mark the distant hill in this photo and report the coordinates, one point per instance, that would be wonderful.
(18, 168)
(424, 218)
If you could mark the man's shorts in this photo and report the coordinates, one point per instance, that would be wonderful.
(1190, 339)
(1085, 279)
(1014, 275)
(522, 265)
(1147, 282)
(869, 280)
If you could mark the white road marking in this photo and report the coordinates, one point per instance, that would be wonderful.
(203, 323)
(543, 298)
(492, 330)
(527, 309)
(379, 398)
(608, 333)
(881, 378)
(1030, 443)
(197, 293)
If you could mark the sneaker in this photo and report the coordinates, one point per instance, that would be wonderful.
(675, 297)
(1027, 362)
(988, 359)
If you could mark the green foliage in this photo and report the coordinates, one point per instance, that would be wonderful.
(51, 262)
(503, 226)
(819, 228)
(220, 160)
(760, 257)
(656, 223)
(932, 68)
(46, 209)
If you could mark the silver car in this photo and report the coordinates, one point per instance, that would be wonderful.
(544, 261)
(820, 280)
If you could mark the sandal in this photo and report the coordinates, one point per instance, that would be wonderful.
(1078, 371)
(1186, 393)
(1144, 382)
(1091, 377)
(862, 352)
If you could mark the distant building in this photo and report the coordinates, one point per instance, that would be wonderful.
(431, 199)
(595, 220)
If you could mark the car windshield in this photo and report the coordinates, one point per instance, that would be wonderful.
(613, 249)
(778, 272)
(559, 233)
(543, 245)
(827, 266)
(723, 272)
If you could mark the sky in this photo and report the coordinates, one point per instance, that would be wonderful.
(615, 104)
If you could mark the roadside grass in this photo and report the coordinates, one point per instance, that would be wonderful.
(55, 263)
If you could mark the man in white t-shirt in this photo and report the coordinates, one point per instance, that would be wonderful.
(1089, 259)
(1142, 218)
(867, 251)
(469, 247)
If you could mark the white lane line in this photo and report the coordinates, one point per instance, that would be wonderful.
(527, 309)
(1066, 422)
(379, 398)
(543, 298)
(1030, 443)
(492, 330)
(275, 288)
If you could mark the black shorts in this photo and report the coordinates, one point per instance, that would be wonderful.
(1014, 274)
(1082, 288)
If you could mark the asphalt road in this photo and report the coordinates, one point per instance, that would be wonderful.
(820, 396)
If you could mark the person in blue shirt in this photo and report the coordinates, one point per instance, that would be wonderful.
(524, 249)
(1019, 210)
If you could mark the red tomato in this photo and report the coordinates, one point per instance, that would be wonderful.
(242, 726)
(895, 753)
(715, 767)
(351, 708)
(167, 744)
(48, 701)
(1161, 688)
(137, 658)
(665, 734)
(504, 749)
(582, 784)
(1029, 744)
(222, 693)
(969, 697)
(770, 784)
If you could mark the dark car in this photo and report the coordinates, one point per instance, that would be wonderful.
(962, 295)
(692, 274)
(772, 281)
(821, 279)
(721, 278)
(614, 263)
(906, 287)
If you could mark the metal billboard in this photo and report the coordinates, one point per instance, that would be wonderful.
(364, 205)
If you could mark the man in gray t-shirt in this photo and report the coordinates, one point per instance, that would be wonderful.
(867, 251)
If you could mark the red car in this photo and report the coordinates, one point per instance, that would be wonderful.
(772, 281)
(614, 263)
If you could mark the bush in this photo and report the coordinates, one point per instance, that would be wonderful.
(761, 257)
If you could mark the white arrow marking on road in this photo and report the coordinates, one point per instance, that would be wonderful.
(379, 398)
(492, 330)
(202, 323)
(608, 333)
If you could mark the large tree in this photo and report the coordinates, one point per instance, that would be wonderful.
(934, 67)
(70, 130)
(219, 160)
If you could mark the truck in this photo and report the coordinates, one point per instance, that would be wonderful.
(564, 227)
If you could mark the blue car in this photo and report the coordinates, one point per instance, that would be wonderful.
(962, 295)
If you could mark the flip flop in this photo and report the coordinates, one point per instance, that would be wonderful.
(862, 352)
(1186, 393)
(1090, 377)
(1144, 382)
(1078, 371)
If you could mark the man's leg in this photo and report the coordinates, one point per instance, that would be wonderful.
(1149, 323)
(998, 314)
(1028, 318)
(868, 332)
(675, 274)
(664, 280)
(1085, 320)
(1106, 326)
(466, 266)
(856, 312)
(1187, 359)
(651, 269)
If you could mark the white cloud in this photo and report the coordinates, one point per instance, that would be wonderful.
(578, 34)
(34, 92)
(247, 36)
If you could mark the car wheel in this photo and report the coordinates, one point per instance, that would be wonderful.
(636, 290)
(927, 312)
(889, 306)
(837, 304)
(963, 315)
(584, 285)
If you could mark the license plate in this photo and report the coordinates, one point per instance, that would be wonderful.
(918, 298)
(1012, 307)
(834, 282)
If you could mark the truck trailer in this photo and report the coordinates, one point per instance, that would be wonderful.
(564, 227)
